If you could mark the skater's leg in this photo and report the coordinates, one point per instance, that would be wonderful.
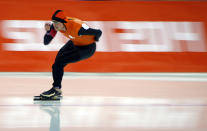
(67, 54)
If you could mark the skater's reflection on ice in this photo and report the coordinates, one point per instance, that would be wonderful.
(52, 109)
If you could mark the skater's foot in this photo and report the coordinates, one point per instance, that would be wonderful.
(52, 92)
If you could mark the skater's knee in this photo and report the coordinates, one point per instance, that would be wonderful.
(57, 65)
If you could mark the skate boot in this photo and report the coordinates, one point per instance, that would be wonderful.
(52, 94)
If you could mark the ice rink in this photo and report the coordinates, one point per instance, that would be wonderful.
(105, 102)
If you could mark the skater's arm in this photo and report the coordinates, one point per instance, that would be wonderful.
(50, 34)
(85, 30)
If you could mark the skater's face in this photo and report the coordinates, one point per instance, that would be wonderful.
(58, 25)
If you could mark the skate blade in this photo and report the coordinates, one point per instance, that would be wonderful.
(40, 98)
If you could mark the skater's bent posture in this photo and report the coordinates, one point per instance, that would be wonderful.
(82, 45)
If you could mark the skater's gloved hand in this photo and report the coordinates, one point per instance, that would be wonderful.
(50, 34)
(47, 26)
(98, 35)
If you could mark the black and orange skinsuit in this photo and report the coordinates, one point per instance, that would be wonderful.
(82, 43)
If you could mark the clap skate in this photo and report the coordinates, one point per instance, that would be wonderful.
(52, 94)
